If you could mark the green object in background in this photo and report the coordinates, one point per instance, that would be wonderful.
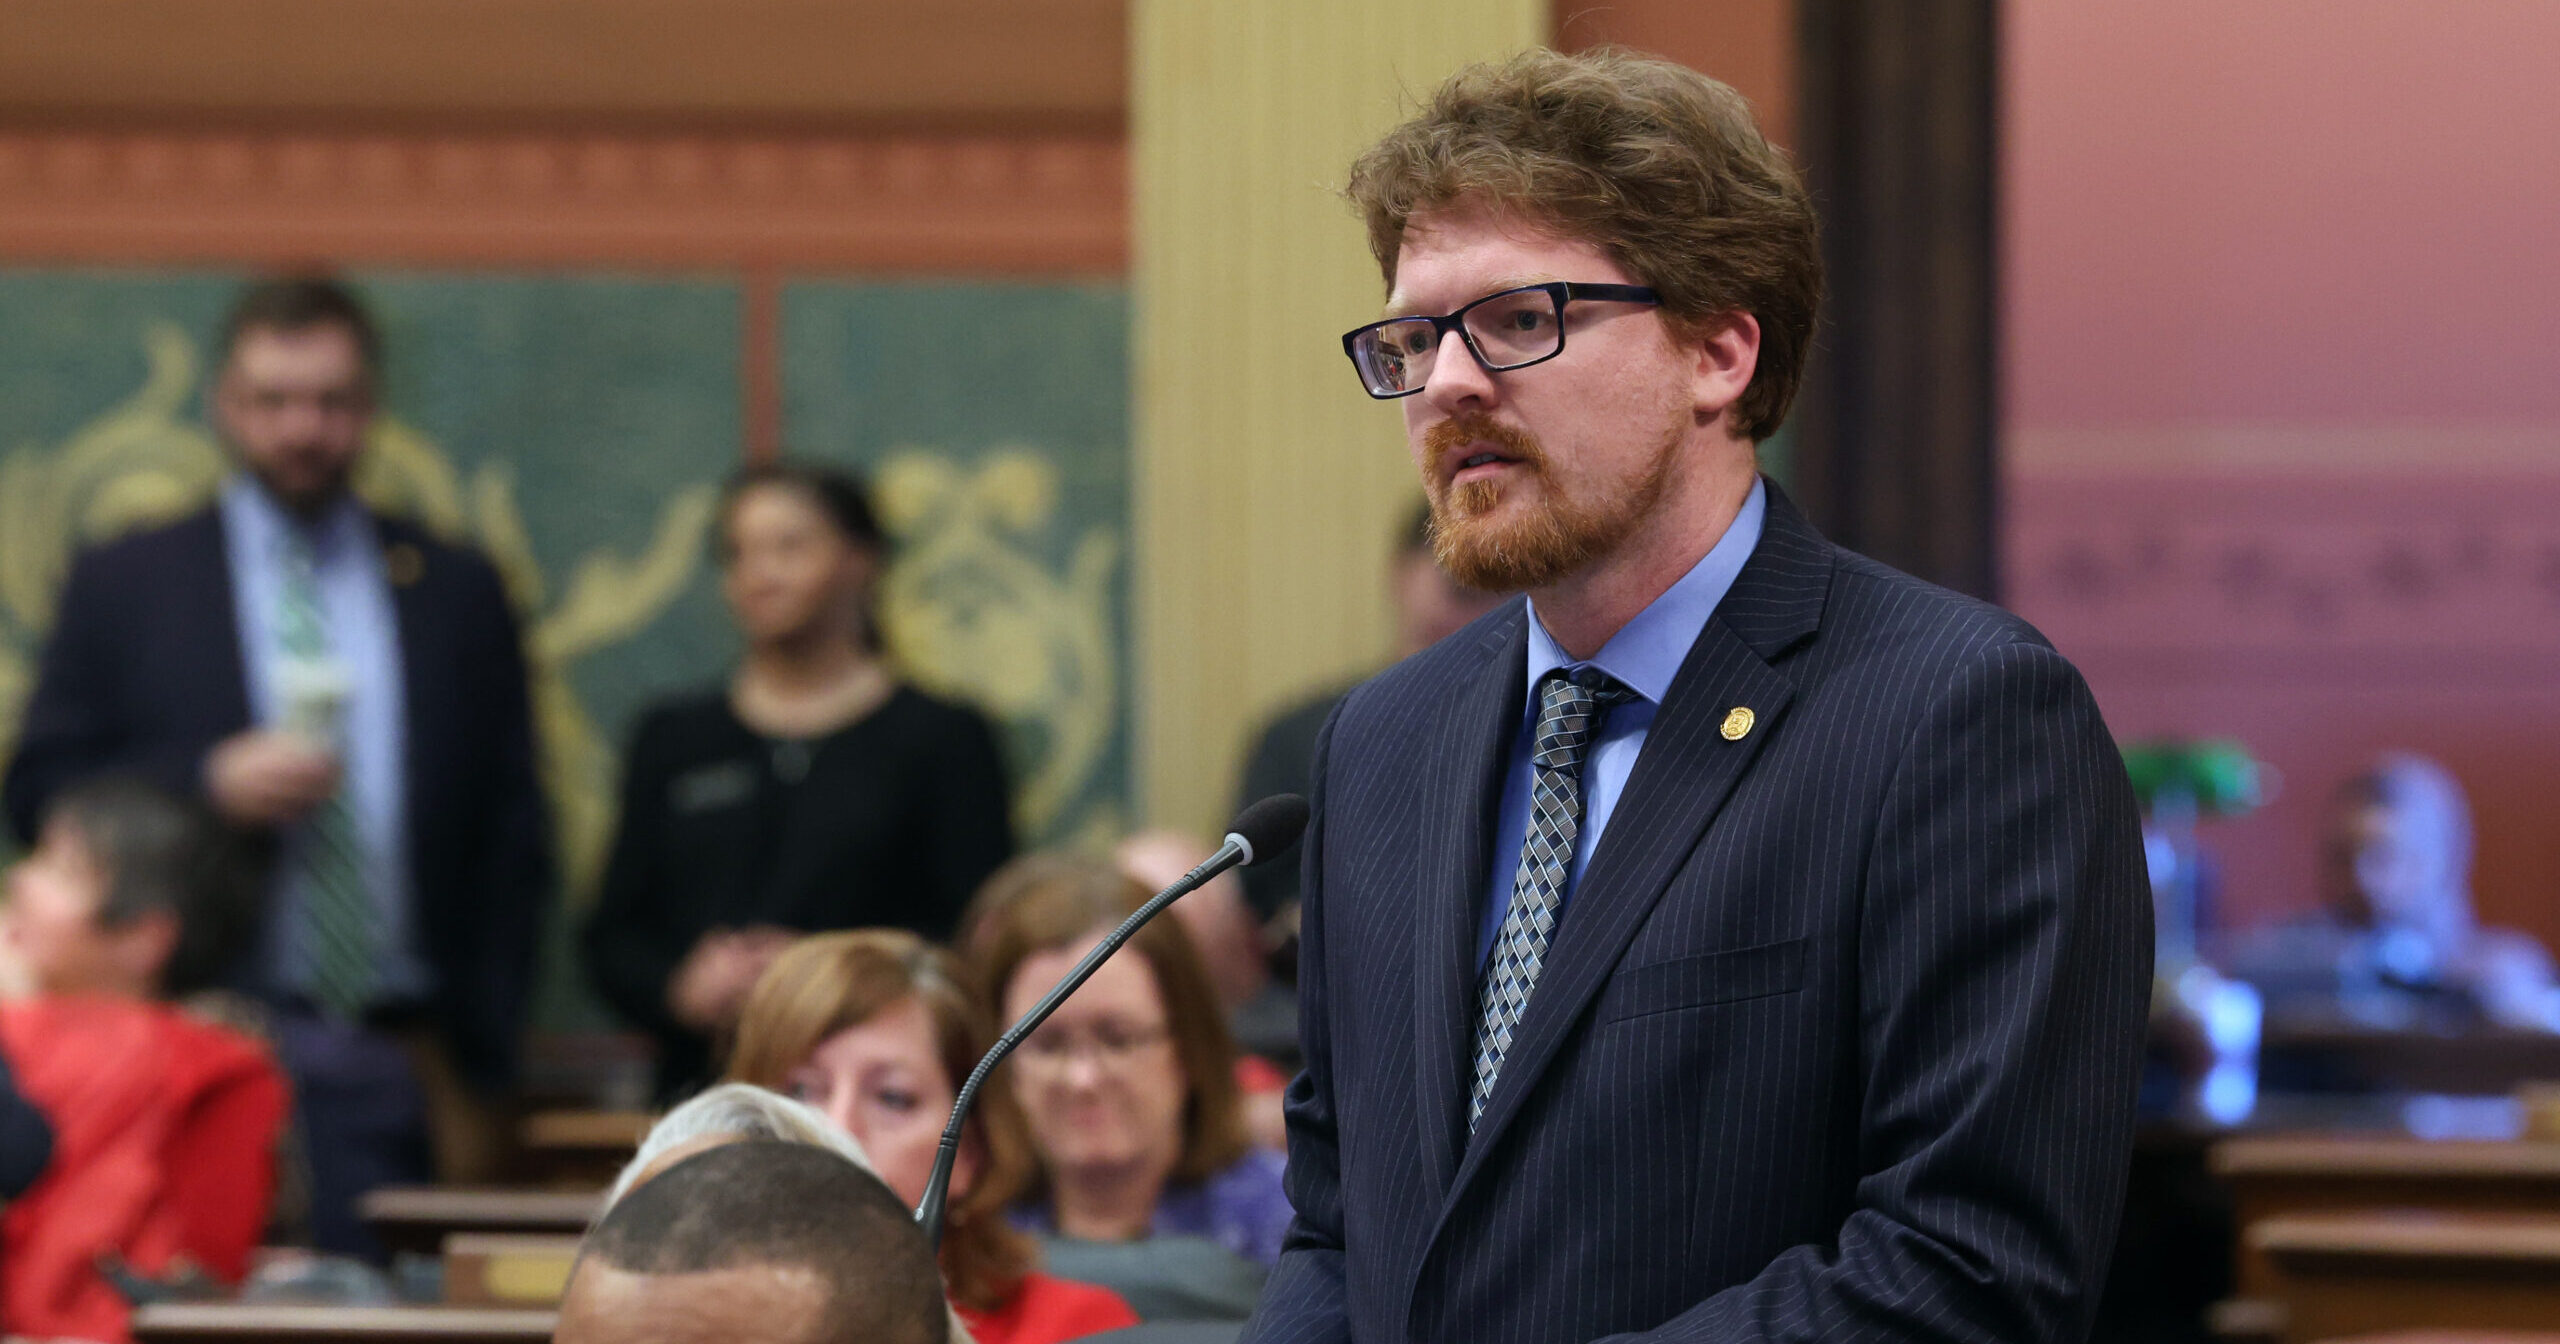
(2217, 776)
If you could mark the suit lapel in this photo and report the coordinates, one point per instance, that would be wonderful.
(1473, 738)
(204, 593)
(404, 571)
(1681, 780)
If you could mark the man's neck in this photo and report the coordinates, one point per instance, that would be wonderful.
(1582, 611)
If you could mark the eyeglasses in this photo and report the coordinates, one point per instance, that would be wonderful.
(1509, 330)
(1110, 1046)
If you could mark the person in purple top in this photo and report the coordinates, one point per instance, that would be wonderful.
(1136, 1122)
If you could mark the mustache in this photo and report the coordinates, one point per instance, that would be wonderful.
(1458, 431)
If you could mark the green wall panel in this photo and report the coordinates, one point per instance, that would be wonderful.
(993, 422)
(573, 428)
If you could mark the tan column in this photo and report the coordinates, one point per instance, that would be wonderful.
(1267, 484)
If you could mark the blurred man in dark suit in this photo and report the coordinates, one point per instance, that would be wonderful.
(1736, 939)
(353, 689)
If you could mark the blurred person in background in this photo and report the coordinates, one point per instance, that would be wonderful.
(2395, 943)
(351, 689)
(756, 1242)
(1430, 606)
(875, 1029)
(1147, 1180)
(166, 1126)
(811, 791)
(1262, 1013)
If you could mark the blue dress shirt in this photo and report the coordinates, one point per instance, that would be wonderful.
(364, 640)
(1645, 654)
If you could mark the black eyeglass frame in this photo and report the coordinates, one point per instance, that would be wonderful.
(1560, 292)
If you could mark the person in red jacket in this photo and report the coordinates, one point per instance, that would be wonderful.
(165, 1125)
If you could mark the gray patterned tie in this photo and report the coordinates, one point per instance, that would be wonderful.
(1569, 714)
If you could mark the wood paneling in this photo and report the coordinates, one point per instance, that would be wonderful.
(884, 202)
(970, 135)
(747, 137)
(1045, 64)
(1749, 44)
(2341, 1274)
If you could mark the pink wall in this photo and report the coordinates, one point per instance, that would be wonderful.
(2283, 377)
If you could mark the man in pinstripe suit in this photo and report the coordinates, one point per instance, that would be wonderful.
(1737, 940)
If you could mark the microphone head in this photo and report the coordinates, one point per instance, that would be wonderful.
(1269, 826)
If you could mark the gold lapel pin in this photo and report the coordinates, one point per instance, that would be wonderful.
(1737, 723)
(403, 564)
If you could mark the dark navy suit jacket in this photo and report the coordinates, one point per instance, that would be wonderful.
(143, 676)
(1838, 1037)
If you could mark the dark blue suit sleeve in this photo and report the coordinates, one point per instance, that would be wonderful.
(516, 886)
(75, 726)
(1303, 1303)
(2005, 965)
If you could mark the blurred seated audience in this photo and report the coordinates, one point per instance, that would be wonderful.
(1262, 1013)
(165, 1126)
(1131, 1097)
(756, 1242)
(2395, 944)
(811, 791)
(875, 1029)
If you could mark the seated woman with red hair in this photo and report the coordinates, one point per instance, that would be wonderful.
(876, 1029)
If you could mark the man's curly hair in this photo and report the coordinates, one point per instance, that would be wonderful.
(1657, 164)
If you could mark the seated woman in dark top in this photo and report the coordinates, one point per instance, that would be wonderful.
(810, 792)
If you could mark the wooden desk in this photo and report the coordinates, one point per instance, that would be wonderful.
(2406, 1269)
(574, 1149)
(250, 1323)
(2454, 1337)
(2280, 1175)
(419, 1218)
(501, 1269)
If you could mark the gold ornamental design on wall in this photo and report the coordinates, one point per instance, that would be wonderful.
(971, 611)
(144, 461)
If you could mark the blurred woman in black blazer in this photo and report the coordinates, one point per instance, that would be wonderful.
(811, 791)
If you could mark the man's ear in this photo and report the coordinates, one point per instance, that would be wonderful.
(1728, 353)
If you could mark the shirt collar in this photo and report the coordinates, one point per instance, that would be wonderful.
(1646, 653)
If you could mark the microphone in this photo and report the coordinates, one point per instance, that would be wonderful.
(1257, 835)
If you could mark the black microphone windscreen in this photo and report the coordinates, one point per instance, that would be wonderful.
(1271, 825)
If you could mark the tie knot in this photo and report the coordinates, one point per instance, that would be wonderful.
(1569, 713)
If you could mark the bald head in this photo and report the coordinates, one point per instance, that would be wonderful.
(756, 1242)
